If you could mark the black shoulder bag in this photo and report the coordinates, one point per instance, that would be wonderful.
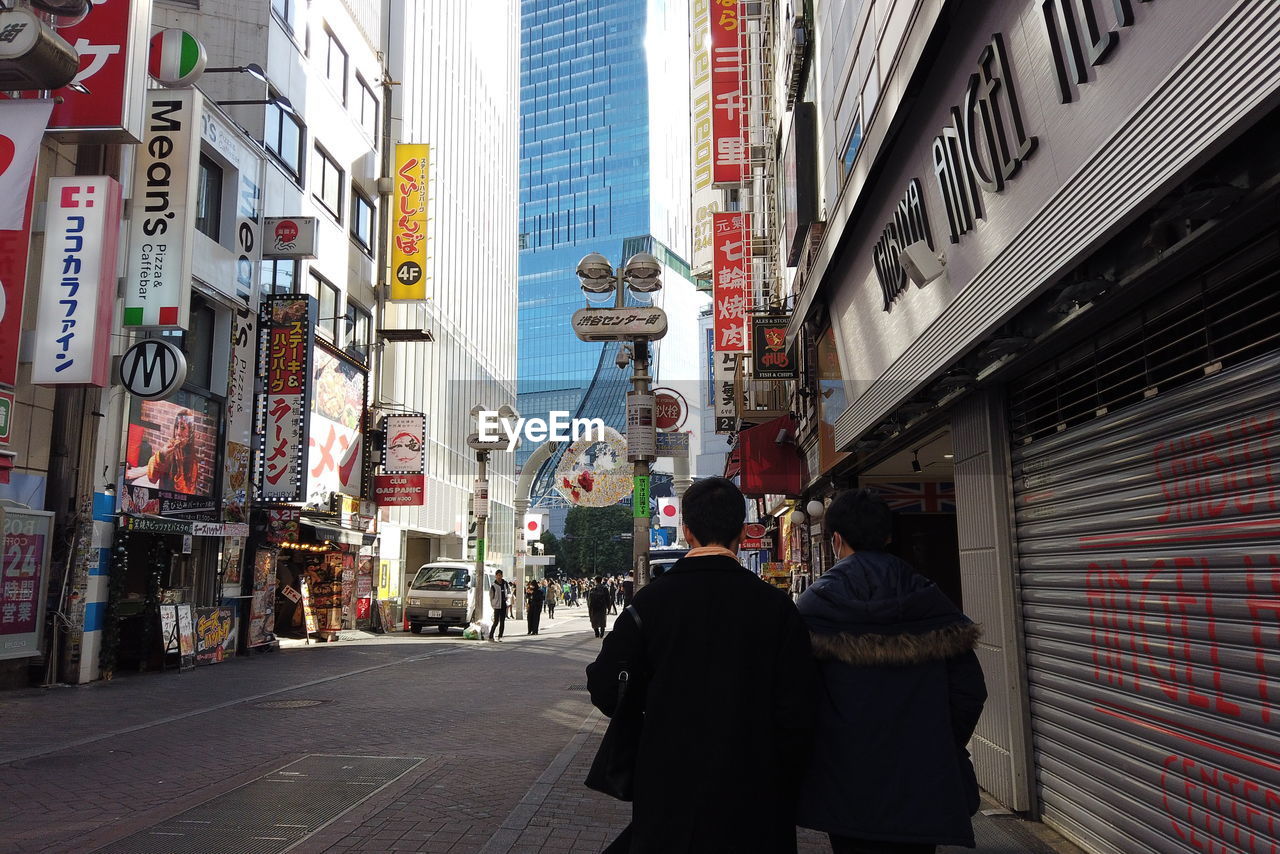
(613, 771)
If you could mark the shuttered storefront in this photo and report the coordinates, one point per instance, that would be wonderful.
(1147, 493)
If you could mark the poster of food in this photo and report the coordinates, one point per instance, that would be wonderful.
(169, 628)
(324, 587)
(283, 524)
(215, 634)
(171, 454)
(335, 443)
(262, 606)
(232, 561)
(186, 636)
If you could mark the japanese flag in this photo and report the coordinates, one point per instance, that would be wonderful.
(668, 513)
(533, 526)
(22, 125)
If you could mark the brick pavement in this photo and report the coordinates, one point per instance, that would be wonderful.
(505, 730)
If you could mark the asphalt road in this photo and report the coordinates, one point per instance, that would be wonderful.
(491, 743)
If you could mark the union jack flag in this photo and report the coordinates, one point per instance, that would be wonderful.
(918, 497)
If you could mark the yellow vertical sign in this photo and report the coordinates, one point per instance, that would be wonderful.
(409, 223)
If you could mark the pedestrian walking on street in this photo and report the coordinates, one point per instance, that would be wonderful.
(613, 595)
(499, 598)
(628, 589)
(720, 660)
(533, 604)
(551, 594)
(598, 606)
(901, 692)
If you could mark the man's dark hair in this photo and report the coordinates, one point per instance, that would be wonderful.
(714, 510)
(861, 518)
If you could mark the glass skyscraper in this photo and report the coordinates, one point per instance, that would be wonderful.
(584, 180)
(588, 82)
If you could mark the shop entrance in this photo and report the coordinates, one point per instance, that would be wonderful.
(918, 484)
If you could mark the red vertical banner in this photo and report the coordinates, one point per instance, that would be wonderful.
(14, 246)
(731, 279)
(728, 94)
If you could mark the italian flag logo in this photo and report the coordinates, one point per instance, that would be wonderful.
(177, 58)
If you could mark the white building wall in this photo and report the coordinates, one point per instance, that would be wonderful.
(454, 67)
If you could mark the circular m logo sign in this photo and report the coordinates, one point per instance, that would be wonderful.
(153, 369)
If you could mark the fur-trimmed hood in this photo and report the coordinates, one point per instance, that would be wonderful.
(896, 650)
(873, 609)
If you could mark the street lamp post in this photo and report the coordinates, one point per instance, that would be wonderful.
(480, 496)
(637, 325)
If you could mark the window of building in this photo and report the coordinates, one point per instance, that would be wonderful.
(368, 108)
(279, 276)
(327, 292)
(326, 182)
(287, 12)
(196, 342)
(209, 199)
(362, 222)
(851, 147)
(283, 138)
(359, 326)
(335, 63)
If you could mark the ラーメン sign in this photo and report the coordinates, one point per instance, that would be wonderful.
(287, 342)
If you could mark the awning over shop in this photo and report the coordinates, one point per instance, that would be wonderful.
(770, 466)
(325, 529)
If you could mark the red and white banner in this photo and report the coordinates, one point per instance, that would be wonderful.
(77, 283)
(22, 125)
(668, 513)
(112, 44)
(405, 451)
(731, 279)
(18, 119)
(336, 441)
(400, 490)
(728, 94)
(534, 525)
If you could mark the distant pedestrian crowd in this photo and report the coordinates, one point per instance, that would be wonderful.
(604, 596)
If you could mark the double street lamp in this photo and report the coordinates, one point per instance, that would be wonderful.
(642, 275)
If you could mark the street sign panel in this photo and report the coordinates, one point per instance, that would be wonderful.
(619, 324)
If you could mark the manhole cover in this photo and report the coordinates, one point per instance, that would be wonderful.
(577, 687)
(290, 704)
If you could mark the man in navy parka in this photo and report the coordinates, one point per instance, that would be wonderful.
(900, 693)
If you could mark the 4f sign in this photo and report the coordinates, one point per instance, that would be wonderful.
(153, 369)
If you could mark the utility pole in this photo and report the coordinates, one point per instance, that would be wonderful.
(639, 402)
(480, 506)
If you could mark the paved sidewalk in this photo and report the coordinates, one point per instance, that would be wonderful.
(504, 734)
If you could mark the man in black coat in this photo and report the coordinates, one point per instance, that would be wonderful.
(723, 659)
(901, 693)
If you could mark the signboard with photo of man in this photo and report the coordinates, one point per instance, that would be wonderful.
(170, 458)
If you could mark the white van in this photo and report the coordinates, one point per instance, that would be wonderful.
(440, 595)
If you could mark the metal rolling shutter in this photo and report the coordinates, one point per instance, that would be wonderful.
(1148, 530)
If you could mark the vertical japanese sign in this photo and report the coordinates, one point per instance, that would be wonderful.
(24, 573)
(239, 420)
(705, 198)
(78, 283)
(112, 44)
(728, 93)
(730, 272)
(409, 223)
(288, 336)
(157, 291)
(726, 393)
